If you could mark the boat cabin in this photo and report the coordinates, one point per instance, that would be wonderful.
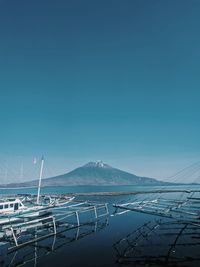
(10, 205)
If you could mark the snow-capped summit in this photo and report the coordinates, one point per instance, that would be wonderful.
(98, 163)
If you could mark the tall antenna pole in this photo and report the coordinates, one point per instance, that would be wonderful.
(40, 179)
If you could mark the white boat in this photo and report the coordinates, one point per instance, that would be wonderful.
(13, 209)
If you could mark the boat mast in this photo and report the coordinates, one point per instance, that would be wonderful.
(40, 179)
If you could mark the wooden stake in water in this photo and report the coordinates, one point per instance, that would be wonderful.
(40, 179)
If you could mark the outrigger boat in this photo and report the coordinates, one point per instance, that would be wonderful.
(27, 219)
(15, 209)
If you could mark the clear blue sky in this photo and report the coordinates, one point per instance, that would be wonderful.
(101, 79)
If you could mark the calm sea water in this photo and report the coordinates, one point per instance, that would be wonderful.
(130, 239)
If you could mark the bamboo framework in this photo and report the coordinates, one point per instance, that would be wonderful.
(33, 252)
(160, 243)
(184, 206)
(21, 233)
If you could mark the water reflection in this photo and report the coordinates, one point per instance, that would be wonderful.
(160, 243)
(31, 253)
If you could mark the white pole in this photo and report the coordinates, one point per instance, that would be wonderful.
(40, 179)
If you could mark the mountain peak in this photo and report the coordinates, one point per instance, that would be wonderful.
(98, 164)
(95, 173)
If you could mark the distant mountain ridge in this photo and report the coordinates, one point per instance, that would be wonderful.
(93, 173)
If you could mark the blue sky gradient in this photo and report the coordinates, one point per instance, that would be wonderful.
(107, 79)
